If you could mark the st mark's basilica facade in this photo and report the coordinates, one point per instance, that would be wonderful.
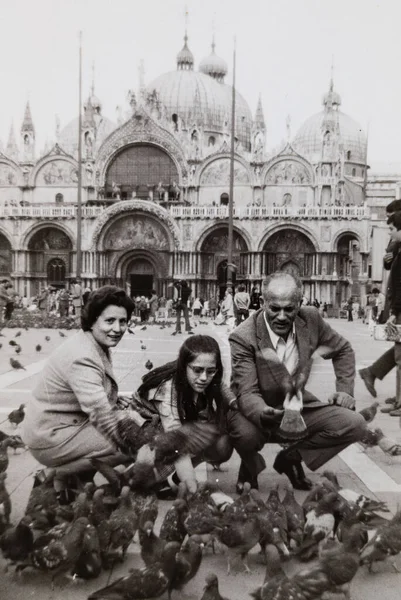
(155, 195)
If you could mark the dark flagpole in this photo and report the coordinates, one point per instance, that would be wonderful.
(79, 203)
(230, 265)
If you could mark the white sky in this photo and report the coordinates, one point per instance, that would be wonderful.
(284, 52)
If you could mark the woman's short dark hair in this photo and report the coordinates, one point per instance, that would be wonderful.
(241, 287)
(100, 299)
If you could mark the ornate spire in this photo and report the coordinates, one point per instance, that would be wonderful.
(141, 81)
(185, 58)
(332, 99)
(27, 123)
(12, 148)
(259, 121)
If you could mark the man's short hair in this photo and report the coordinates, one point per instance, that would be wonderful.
(283, 276)
(393, 206)
(375, 290)
(395, 219)
(241, 287)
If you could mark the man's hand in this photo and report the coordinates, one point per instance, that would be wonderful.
(388, 257)
(342, 399)
(270, 417)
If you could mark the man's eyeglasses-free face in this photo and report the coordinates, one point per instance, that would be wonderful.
(200, 370)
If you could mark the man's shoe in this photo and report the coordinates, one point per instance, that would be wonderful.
(190, 332)
(369, 380)
(387, 409)
(292, 467)
(390, 400)
(396, 412)
(244, 476)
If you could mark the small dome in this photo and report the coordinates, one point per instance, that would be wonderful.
(213, 65)
(69, 134)
(94, 102)
(185, 58)
(309, 138)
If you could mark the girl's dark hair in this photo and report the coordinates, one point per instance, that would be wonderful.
(395, 219)
(100, 299)
(190, 349)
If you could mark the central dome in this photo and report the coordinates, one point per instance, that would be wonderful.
(191, 95)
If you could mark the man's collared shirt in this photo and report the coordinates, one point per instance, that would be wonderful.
(286, 351)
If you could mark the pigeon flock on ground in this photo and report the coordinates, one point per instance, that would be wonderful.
(332, 534)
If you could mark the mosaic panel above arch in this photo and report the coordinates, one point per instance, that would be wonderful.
(289, 241)
(8, 175)
(218, 173)
(217, 241)
(49, 238)
(287, 172)
(136, 231)
(57, 172)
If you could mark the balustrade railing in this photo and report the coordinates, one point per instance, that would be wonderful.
(199, 212)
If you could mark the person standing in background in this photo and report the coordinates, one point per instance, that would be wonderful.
(85, 295)
(242, 301)
(212, 307)
(153, 305)
(76, 292)
(11, 302)
(4, 298)
(63, 302)
(183, 294)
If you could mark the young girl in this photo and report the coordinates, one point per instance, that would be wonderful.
(189, 389)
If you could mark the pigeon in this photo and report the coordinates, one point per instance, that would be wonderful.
(188, 561)
(149, 365)
(61, 334)
(145, 583)
(15, 442)
(18, 333)
(18, 349)
(152, 546)
(370, 412)
(47, 338)
(12, 343)
(173, 528)
(123, 523)
(211, 589)
(144, 328)
(58, 554)
(388, 445)
(38, 348)
(319, 524)
(277, 513)
(17, 416)
(273, 578)
(5, 502)
(89, 563)
(143, 347)
(384, 544)
(354, 499)
(295, 517)
(16, 364)
(131, 331)
(16, 543)
(3, 455)
(239, 535)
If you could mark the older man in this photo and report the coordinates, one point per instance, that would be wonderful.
(292, 333)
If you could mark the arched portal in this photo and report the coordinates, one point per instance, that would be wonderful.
(50, 257)
(348, 266)
(214, 256)
(140, 168)
(289, 250)
(5, 257)
(141, 276)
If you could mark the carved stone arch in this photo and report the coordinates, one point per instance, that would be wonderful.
(9, 238)
(9, 168)
(134, 207)
(280, 227)
(220, 225)
(347, 231)
(120, 263)
(216, 158)
(140, 129)
(47, 225)
(302, 171)
(48, 162)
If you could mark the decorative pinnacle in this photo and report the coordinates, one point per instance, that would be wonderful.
(93, 79)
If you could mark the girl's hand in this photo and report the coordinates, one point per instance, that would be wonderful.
(192, 485)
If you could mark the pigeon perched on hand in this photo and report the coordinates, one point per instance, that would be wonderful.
(16, 364)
